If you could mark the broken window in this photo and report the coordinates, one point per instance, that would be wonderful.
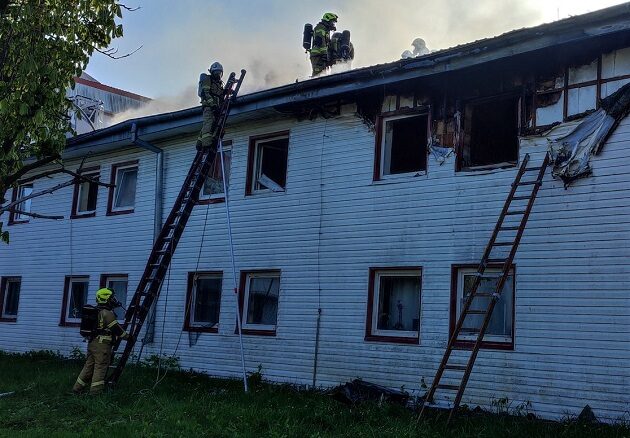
(76, 296)
(491, 129)
(123, 195)
(501, 325)
(403, 145)
(86, 193)
(213, 186)
(269, 172)
(204, 300)
(9, 298)
(260, 301)
(23, 207)
(117, 284)
(395, 309)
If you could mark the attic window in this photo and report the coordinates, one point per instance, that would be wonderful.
(403, 147)
(490, 133)
(268, 164)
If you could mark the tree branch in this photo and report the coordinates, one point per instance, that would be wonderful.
(12, 179)
(35, 215)
(13, 204)
(111, 53)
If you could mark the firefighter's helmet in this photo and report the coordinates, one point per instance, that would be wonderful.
(103, 295)
(216, 68)
(330, 17)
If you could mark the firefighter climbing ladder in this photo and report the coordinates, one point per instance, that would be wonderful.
(502, 230)
(164, 247)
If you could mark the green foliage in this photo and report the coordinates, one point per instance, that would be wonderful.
(43, 45)
(255, 379)
(170, 363)
(192, 404)
(77, 354)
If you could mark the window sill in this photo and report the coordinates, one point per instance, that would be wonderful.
(195, 329)
(490, 345)
(119, 212)
(400, 177)
(267, 192)
(209, 201)
(393, 339)
(13, 222)
(490, 168)
(81, 216)
(6, 319)
(256, 332)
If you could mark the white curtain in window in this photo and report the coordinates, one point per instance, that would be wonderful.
(398, 303)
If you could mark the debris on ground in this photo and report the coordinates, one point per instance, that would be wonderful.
(359, 391)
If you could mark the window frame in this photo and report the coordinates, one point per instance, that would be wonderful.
(455, 277)
(69, 279)
(372, 334)
(14, 217)
(91, 172)
(252, 161)
(104, 280)
(4, 284)
(379, 144)
(111, 210)
(189, 325)
(217, 198)
(243, 298)
(459, 148)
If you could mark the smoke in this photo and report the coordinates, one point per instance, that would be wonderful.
(163, 104)
(265, 38)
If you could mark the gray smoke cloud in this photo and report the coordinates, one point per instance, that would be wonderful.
(265, 38)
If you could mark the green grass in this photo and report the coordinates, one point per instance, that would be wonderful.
(188, 404)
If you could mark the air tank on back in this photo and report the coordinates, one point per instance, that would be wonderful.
(345, 44)
(307, 36)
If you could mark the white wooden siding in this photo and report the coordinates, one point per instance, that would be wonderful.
(324, 233)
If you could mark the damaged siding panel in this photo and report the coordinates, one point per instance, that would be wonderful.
(616, 63)
(581, 99)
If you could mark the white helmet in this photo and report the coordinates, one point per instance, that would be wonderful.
(216, 67)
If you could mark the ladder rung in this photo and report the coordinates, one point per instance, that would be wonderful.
(476, 312)
(455, 367)
(483, 294)
(496, 260)
(514, 212)
(450, 387)
(509, 228)
(520, 198)
(462, 347)
(529, 169)
(470, 330)
(503, 244)
(529, 183)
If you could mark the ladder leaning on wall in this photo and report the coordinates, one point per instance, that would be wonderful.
(500, 240)
(164, 247)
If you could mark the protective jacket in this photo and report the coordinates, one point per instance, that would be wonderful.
(321, 39)
(210, 90)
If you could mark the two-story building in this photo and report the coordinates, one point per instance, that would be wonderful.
(360, 204)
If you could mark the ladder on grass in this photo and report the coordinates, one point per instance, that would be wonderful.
(502, 229)
(164, 247)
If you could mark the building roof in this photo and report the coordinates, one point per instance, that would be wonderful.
(605, 22)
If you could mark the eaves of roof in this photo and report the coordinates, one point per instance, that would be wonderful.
(601, 23)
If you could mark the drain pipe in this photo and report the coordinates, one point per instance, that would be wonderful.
(157, 221)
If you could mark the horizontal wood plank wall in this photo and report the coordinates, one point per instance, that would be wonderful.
(572, 308)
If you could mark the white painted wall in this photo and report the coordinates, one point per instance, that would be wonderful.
(572, 306)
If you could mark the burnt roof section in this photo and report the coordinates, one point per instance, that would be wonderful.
(605, 22)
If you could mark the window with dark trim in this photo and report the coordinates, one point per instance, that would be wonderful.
(203, 301)
(21, 191)
(212, 190)
(267, 163)
(258, 301)
(9, 298)
(500, 332)
(118, 283)
(393, 313)
(85, 195)
(75, 296)
(122, 197)
(490, 137)
(401, 144)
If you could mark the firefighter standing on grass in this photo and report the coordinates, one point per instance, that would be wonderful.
(210, 92)
(100, 344)
(320, 56)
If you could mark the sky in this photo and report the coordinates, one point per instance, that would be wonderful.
(179, 40)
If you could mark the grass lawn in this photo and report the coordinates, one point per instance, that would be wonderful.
(187, 404)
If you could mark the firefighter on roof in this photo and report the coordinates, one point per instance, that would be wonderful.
(210, 92)
(321, 43)
(102, 330)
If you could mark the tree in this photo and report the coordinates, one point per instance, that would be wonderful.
(43, 45)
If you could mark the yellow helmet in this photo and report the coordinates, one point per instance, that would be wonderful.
(329, 16)
(103, 295)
